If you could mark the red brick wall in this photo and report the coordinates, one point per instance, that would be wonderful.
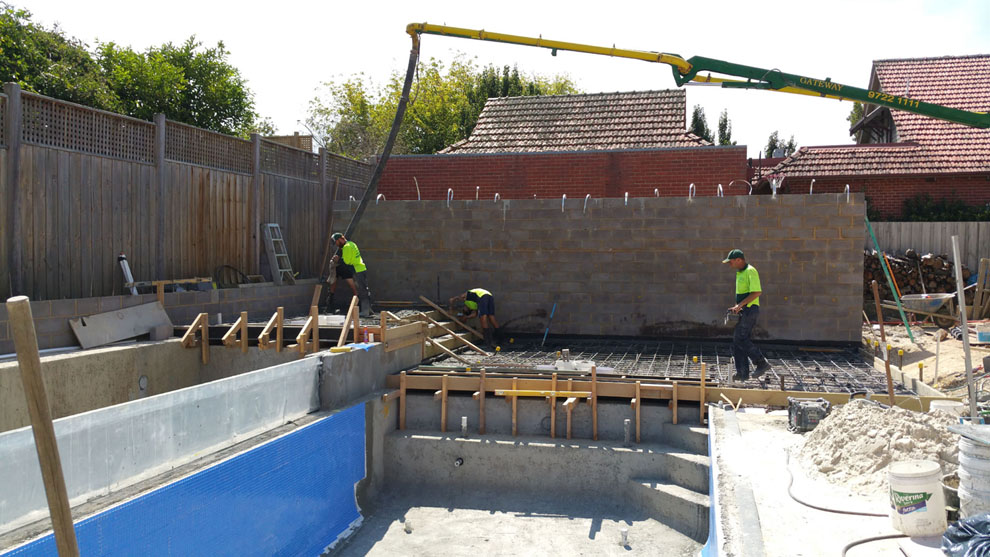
(888, 193)
(601, 174)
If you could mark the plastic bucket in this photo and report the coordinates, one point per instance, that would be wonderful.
(917, 503)
(972, 502)
(973, 449)
(953, 407)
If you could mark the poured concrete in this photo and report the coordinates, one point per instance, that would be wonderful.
(85, 380)
(487, 522)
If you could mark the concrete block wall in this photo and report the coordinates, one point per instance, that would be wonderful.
(649, 268)
(51, 317)
(599, 173)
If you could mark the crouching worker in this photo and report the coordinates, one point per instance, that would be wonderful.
(480, 302)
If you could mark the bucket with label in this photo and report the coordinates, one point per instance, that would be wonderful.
(974, 478)
(953, 407)
(917, 503)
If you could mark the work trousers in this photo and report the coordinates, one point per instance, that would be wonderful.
(743, 349)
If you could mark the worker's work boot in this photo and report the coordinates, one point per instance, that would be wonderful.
(365, 305)
(761, 368)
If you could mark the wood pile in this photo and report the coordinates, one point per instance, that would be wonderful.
(913, 274)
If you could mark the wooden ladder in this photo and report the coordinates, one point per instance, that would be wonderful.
(278, 256)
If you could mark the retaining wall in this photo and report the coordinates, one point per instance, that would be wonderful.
(647, 268)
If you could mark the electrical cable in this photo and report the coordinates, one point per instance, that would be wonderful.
(851, 545)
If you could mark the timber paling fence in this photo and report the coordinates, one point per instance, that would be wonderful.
(78, 186)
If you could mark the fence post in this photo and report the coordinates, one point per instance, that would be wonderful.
(15, 218)
(160, 193)
(256, 205)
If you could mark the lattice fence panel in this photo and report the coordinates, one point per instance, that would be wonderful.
(354, 176)
(206, 148)
(287, 161)
(3, 120)
(63, 125)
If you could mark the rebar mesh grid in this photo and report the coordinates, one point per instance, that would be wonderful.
(794, 369)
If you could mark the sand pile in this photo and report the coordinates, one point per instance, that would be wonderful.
(856, 442)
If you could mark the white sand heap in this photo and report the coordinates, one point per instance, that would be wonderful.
(856, 442)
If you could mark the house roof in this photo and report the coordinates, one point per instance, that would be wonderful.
(925, 145)
(600, 121)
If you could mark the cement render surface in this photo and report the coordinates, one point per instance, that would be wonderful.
(790, 529)
(510, 523)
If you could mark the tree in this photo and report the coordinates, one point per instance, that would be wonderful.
(725, 129)
(186, 82)
(353, 116)
(699, 124)
(855, 115)
(47, 62)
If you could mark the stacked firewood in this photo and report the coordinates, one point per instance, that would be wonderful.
(913, 274)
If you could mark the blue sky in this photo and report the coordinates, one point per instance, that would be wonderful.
(287, 49)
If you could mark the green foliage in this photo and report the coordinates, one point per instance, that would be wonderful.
(725, 129)
(354, 116)
(922, 208)
(45, 61)
(872, 212)
(186, 82)
(699, 124)
(855, 115)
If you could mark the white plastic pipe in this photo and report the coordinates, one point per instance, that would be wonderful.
(586, 198)
(418, 198)
(627, 198)
(691, 191)
(380, 197)
(496, 197)
(720, 192)
(847, 193)
(811, 190)
(656, 192)
(562, 200)
(450, 196)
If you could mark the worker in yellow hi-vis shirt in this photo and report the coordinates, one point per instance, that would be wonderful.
(351, 269)
(480, 302)
(748, 290)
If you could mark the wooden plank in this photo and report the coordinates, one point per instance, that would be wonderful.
(79, 177)
(113, 326)
(553, 406)
(402, 401)
(446, 351)
(594, 402)
(701, 410)
(515, 402)
(443, 404)
(64, 234)
(453, 334)
(348, 320)
(639, 394)
(29, 361)
(481, 403)
(451, 317)
(35, 170)
(673, 403)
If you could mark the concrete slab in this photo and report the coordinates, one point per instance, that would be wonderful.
(507, 523)
(759, 456)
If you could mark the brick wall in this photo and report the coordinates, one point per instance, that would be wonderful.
(51, 318)
(651, 268)
(577, 174)
(888, 193)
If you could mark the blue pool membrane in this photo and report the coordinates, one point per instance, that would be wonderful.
(291, 496)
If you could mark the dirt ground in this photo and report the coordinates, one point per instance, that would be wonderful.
(951, 377)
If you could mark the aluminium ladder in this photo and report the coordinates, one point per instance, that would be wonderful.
(278, 256)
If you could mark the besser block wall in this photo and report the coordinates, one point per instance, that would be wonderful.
(651, 268)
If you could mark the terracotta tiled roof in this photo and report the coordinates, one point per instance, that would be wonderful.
(601, 121)
(926, 145)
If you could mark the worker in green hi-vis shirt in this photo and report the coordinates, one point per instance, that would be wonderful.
(351, 269)
(480, 302)
(748, 290)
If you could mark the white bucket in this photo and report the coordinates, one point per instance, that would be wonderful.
(973, 449)
(974, 478)
(953, 407)
(917, 504)
(972, 502)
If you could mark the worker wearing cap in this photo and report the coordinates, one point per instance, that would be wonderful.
(748, 292)
(480, 302)
(351, 268)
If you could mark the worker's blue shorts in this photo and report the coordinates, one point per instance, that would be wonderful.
(486, 305)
